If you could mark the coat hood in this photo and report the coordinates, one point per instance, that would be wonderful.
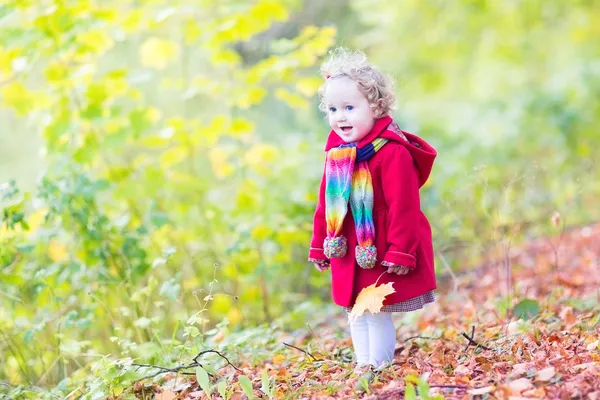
(423, 153)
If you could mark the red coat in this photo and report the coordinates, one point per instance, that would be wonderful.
(402, 232)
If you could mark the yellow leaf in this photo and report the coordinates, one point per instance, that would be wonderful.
(267, 10)
(56, 72)
(7, 58)
(371, 298)
(235, 316)
(191, 31)
(241, 126)
(96, 41)
(260, 154)
(219, 160)
(17, 96)
(278, 359)
(292, 99)
(173, 156)
(251, 97)
(226, 56)
(308, 86)
(57, 251)
(158, 53)
(261, 232)
(221, 304)
(132, 20)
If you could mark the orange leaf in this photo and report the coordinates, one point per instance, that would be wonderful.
(166, 395)
(545, 374)
(371, 298)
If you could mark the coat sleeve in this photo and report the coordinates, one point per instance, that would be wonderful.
(319, 227)
(400, 180)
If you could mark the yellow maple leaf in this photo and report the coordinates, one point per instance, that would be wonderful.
(371, 299)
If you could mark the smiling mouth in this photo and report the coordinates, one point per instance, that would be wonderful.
(346, 129)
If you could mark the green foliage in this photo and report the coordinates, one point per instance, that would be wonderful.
(182, 161)
(422, 386)
(246, 386)
(156, 179)
(526, 309)
(203, 380)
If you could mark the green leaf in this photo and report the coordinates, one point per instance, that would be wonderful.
(246, 385)
(266, 384)
(409, 392)
(203, 380)
(526, 309)
(222, 389)
(423, 389)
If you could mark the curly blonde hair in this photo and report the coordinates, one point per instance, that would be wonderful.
(373, 84)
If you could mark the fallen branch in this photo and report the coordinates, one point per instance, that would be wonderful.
(302, 350)
(422, 337)
(218, 353)
(472, 341)
(449, 386)
(164, 370)
(195, 364)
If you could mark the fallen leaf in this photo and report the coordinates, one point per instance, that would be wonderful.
(371, 298)
(571, 280)
(278, 359)
(538, 393)
(462, 370)
(519, 385)
(568, 316)
(166, 395)
(522, 368)
(482, 390)
(579, 367)
(545, 374)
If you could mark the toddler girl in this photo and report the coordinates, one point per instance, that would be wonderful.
(378, 169)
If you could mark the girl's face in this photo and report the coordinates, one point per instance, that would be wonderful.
(348, 110)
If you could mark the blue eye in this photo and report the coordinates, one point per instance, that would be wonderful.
(349, 108)
(332, 109)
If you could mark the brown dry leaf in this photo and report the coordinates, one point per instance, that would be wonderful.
(483, 390)
(568, 316)
(573, 281)
(371, 298)
(166, 395)
(545, 374)
(584, 366)
(461, 370)
(592, 346)
(520, 385)
(522, 368)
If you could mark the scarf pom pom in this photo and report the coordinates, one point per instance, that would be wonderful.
(366, 256)
(335, 247)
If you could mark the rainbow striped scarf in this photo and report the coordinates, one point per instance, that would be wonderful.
(348, 179)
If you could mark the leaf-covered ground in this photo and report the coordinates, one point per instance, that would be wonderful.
(553, 355)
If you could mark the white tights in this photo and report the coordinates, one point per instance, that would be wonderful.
(374, 338)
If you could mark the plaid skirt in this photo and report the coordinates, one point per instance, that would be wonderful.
(413, 304)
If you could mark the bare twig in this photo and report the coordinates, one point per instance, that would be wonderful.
(449, 386)
(219, 354)
(472, 341)
(422, 337)
(302, 350)
(164, 370)
(196, 363)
